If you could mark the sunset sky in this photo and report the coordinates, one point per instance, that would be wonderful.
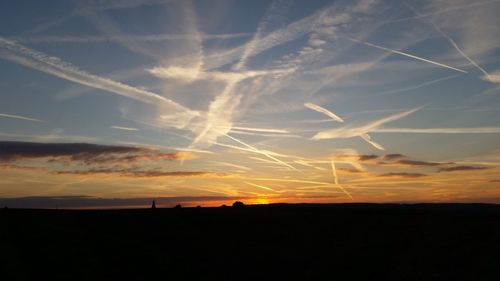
(111, 103)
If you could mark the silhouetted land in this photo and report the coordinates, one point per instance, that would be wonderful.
(275, 242)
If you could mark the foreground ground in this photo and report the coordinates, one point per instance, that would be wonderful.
(281, 242)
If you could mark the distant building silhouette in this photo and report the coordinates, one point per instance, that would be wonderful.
(178, 206)
(153, 206)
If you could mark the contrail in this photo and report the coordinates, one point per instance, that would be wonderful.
(17, 53)
(336, 179)
(324, 111)
(262, 160)
(307, 164)
(261, 130)
(292, 180)
(124, 128)
(377, 123)
(479, 130)
(486, 74)
(20, 117)
(453, 43)
(262, 152)
(231, 165)
(254, 150)
(424, 84)
(363, 130)
(405, 54)
(369, 140)
(260, 186)
(238, 132)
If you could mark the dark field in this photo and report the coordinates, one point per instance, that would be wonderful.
(276, 242)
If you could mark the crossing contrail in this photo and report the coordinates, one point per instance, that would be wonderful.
(454, 44)
(406, 54)
(336, 180)
(263, 152)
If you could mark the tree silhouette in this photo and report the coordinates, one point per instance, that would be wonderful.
(153, 206)
(238, 204)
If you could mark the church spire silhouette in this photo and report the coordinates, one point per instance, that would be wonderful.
(153, 206)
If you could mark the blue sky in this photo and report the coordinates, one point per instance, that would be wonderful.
(261, 94)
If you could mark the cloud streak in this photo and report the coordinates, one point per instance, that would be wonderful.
(363, 130)
(124, 128)
(20, 117)
(324, 111)
(478, 130)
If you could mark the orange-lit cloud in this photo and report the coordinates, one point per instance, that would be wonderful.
(138, 173)
(84, 152)
(403, 175)
(462, 168)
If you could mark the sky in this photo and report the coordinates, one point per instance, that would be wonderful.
(107, 103)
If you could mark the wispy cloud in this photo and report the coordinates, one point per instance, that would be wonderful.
(13, 51)
(493, 77)
(277, 37)
(250, 46)
(125, 38)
